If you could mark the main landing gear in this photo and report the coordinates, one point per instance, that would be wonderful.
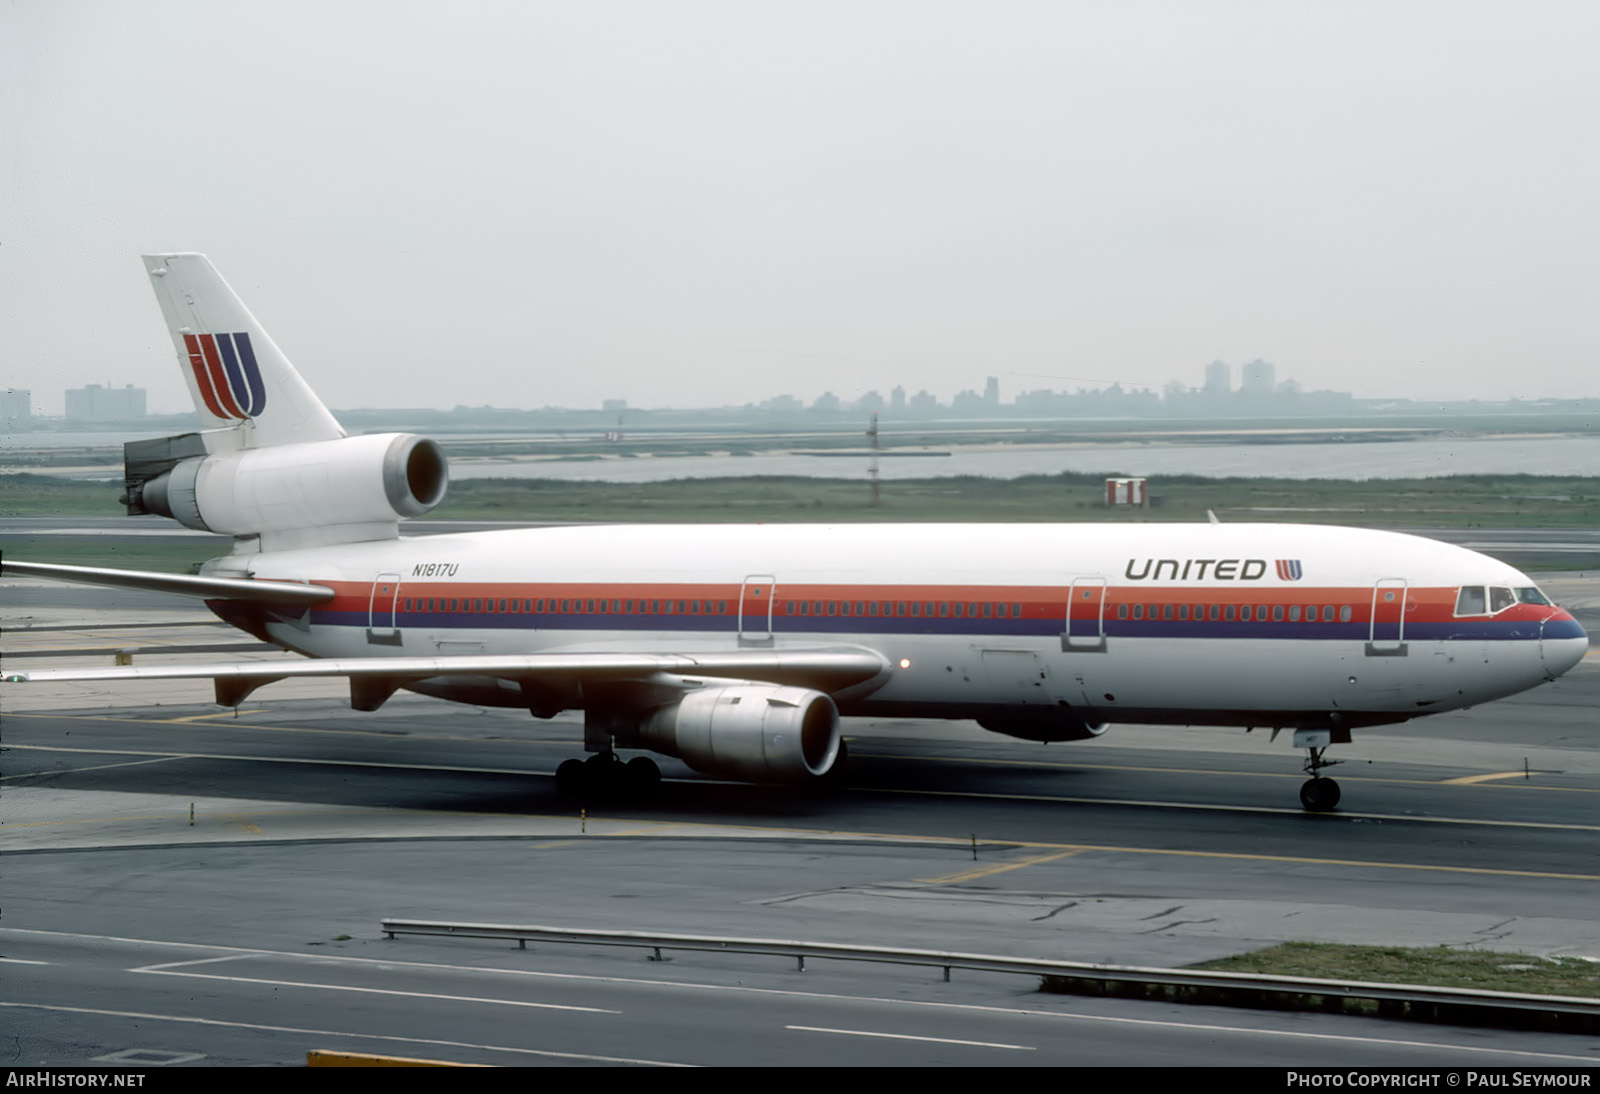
(604, 775)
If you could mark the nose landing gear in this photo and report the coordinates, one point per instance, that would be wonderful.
(1319, 793)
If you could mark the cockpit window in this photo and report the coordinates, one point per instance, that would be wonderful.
(1500, 598)
(1531, 595)
(1470, 601)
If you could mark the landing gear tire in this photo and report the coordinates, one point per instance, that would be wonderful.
(570, 777)
(641, 778)
(1319, 795)
(604, 775)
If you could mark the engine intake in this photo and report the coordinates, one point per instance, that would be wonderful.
(754, 732)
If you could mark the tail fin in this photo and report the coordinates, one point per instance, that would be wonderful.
(237, 375)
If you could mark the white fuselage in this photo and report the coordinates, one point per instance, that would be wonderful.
(1227, 624)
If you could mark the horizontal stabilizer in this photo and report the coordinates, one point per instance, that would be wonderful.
(277, 593)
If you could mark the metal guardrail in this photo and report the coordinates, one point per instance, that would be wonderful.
(1412, 1001)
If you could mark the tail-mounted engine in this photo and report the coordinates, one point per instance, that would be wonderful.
(754, 732)
(351, 483)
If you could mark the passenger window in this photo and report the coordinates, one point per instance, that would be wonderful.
(1122, 611)
(1244, 613)
(1138, 611)
(1277, 613)
(1294, 613)
(1016, 611)
(1327, 613)
(1344, 614)
(1183, 611)
(1211, 614)
(1228, 613)
(1470, 600)
(1166, 611)
(1500, 599)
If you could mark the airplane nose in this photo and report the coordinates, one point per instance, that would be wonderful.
(1562, 644)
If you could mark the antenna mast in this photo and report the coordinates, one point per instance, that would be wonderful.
(872, 470)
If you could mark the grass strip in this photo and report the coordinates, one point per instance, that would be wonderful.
(1435, 966)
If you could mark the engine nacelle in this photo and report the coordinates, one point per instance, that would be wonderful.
(375, 479)
(754, 732)
(1044, 725)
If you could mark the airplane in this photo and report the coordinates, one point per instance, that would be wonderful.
(738, 649)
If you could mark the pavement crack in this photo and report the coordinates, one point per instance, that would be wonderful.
(1054, 911)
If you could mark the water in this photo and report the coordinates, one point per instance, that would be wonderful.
(1542, 455)
(1346, 460)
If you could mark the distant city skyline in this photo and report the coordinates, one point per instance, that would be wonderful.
(1258, 392)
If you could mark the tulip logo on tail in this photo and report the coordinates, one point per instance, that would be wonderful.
(225, 371)
(1289, 569)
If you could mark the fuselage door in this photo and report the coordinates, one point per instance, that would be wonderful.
(755, 609)
(382, 627)
(1386, 638)
(1086, 616)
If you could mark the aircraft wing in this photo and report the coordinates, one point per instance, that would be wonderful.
(277, 593)
(374, 679)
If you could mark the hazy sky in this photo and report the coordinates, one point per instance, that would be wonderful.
(686, 203)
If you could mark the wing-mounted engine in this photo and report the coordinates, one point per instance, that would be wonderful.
(1044, 725)
(290, 495)
(754, 732)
